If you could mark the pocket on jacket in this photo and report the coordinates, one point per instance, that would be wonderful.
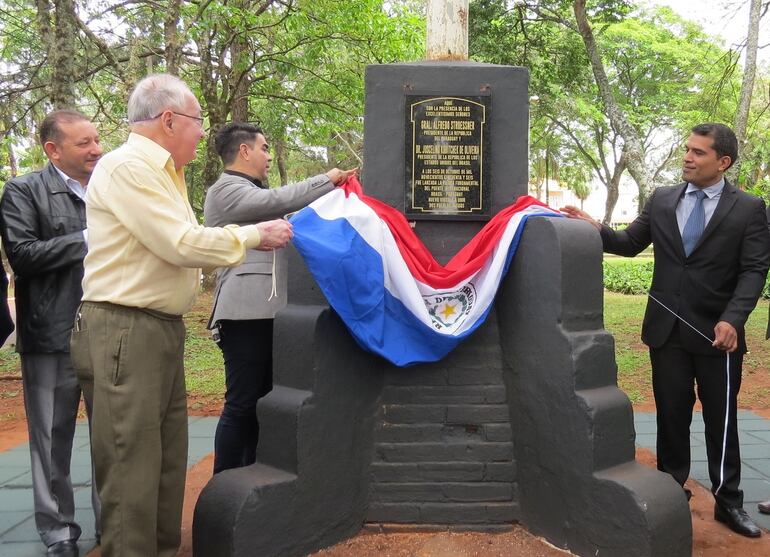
(62, 224)
(256, 268)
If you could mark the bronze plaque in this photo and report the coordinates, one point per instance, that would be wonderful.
(447, 147)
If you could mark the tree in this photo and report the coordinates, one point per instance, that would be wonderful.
(633, 143)
(747, 85)
(660, 73)
(295, 66)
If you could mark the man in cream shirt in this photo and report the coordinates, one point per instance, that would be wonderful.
(142, 272)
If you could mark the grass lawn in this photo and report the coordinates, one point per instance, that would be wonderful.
(204, 366)
(622, 317)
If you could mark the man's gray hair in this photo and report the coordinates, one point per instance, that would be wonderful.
(154, 94)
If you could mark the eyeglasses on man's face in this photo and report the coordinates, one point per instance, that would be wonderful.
(200, 120)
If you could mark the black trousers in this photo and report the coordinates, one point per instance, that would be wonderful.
(676, 376)
(247, 347)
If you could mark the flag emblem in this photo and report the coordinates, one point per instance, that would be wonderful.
(447, 310)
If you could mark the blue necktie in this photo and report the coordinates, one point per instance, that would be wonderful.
(695, 224)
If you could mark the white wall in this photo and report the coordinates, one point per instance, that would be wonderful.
(625, 209)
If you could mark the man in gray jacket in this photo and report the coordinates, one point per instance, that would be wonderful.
(248, 296)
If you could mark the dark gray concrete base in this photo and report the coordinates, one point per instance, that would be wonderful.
(308, 489)
(579, 485)
(576, 481)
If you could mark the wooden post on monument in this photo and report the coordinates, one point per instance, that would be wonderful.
(447, 30)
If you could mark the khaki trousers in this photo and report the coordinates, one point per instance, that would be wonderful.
(130, 362)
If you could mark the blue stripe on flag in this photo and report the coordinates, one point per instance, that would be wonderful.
(350, 274)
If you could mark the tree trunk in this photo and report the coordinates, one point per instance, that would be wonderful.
(12, 160)
(633, 145)
(747, 86)
(62, 54)
(43, 18)
(171, 36)
(211, 163)
(280, 160)
(613, 188)
(239, 78)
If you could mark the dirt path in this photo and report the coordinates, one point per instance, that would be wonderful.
(710, 538)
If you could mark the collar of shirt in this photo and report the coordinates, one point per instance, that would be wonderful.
(158, 156)
(153, 151)
(711, 191)
(687, 202)
(75, 187)
(251, 179)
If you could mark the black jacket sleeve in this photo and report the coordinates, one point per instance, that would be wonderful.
(29, 251)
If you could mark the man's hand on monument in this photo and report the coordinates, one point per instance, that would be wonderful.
(574, 213)
(338, 176)
(274, 234)
(725, 337)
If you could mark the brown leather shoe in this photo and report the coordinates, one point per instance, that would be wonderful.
(738, 520)
(764, 507)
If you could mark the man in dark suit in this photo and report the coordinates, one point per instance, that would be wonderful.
(764, 506)
(712, 251)
(249, 295)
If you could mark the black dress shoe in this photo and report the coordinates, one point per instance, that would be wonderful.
(66, 548)
(738, 520)
(764, 507)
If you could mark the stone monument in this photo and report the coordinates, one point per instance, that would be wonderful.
(523, 422)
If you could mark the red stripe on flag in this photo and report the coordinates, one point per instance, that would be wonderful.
(418, 258)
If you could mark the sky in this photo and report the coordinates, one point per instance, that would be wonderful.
(728, 18)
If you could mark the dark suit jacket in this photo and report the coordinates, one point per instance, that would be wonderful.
(6, 323)
(767, 334)
(722, 278)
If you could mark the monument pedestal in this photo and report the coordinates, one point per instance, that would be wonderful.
(522, 422)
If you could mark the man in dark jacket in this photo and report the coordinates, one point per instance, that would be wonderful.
(43, 221)
(712, 250)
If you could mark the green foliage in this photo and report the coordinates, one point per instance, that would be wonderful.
(627, 276)
(299, 66)
(623, 318)
(9, 362)
(634, 276)
(665, 74)
(298, 69)
(203, 362)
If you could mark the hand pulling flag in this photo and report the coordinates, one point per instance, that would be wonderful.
(394, 297)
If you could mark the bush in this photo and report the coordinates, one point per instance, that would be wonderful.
(634, 276)
(628, 276)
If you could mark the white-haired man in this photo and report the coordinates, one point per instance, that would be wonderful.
(142, 273)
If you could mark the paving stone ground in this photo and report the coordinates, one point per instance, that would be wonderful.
(19, 538)
(18, 535)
